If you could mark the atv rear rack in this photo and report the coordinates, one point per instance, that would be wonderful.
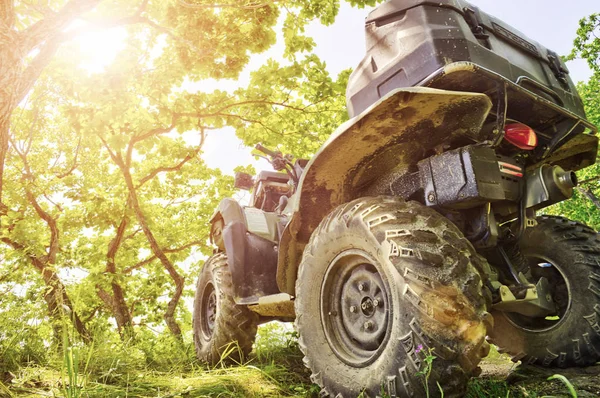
(526, 101)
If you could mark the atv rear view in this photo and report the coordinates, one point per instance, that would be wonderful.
(413, 230)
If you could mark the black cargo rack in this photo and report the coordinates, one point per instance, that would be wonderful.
(540, 110)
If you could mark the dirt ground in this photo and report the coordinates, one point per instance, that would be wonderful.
(531, 381)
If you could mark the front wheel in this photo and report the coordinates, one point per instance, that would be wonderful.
(383, 284)
(223, 330)
(568, 255)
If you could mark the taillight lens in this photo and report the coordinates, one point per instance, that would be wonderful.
(521, 136)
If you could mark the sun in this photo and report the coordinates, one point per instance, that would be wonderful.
(99, 49)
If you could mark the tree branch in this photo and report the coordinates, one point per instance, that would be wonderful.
(50, 221)
(590, 195)
(9, 274)
(152, 258)
(154, 132)
(43, 30)
(7, 14)
(36, 66)
(115, 243)
(49, 34)
(176, 167)
(75, 164)
(92, 314)
(134, 233)
(587, 181)
(248, 6)
(112, 155)
(179, 281)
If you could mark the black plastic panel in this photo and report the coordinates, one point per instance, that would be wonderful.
(252, 261)
(462, 178)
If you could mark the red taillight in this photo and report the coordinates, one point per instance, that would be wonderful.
(521, 136)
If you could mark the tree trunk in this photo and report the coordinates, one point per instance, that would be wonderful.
(158, 252)
(116, 302)
(122, 314)
(56, 297)
(117, 305)
(10, 64)
(59, 305)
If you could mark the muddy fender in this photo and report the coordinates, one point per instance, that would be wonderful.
(399, 130)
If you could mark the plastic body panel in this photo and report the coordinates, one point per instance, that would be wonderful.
(249, 238)
(408, 40)
(462, 178)
(252, 261)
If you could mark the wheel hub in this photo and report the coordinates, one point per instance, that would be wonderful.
(364, 321)
(355, 300)
(367, 306)
(209, 310)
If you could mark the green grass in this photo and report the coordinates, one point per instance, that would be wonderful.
(275, 369)
(243, 381)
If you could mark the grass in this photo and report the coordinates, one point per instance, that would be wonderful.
(275, 369)
(243, 381)
(251, 380)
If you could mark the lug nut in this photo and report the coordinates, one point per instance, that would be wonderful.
(368, 325)
(352, 308)
(361, 286)
(376, 303)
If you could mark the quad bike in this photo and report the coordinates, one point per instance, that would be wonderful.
(413, 231)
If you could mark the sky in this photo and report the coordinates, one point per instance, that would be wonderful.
(552, 23)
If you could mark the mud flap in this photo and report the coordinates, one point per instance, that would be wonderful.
(252, 261)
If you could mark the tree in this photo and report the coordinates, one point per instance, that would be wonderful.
(210, 39)
(104, 177)
(585, 206)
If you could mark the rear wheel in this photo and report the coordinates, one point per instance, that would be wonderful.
(223, 330)
(568, 255)
(382, 282)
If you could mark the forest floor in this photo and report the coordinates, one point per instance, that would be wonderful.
(275, 370)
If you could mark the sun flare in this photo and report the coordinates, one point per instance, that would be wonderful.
(99, 49)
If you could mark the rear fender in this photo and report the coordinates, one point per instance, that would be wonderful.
(402, 128)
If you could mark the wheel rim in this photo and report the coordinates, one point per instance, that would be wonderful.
(355, 308)
(209, 310)
(540, 266)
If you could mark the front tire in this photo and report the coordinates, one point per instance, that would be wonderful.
(223, 330)
(568, 255)
(382, 282)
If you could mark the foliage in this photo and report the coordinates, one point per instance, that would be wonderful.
(587, 42)
(426, 368)
(585, 206)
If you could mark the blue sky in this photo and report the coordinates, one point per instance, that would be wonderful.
(552, 23)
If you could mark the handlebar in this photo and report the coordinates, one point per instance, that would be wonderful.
(264, 150)
(278, 161)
